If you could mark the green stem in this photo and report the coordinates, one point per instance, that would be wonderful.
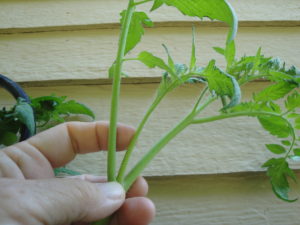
(111, 158)
(224, 102)
(253, 113)
(132, 144)
(200, 98)
(293, 140)
(142, 2)
(130, 59)
(237, 114)
(140, 166)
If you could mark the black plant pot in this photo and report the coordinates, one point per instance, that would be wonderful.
(15, 90)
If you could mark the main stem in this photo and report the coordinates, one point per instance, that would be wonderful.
(112, 141)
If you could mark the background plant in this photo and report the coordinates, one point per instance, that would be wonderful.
(43, 112)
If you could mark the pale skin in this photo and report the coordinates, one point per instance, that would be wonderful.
(30, 194)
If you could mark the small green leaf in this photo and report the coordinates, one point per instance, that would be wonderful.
(152, 61)
(193, 60)
(275, 91)
(286, 143)
(279, 76)
(276, 149)
(24, 113)
(156, 5)
(257, 107)
(52, 108)
(136, 29)
(257, 61)
(170, 60)
(219, 50)
(278, 170)
(293, 101)
(73, 107)
(8, 138)
(274, 107)
(275, 125)
(296, 151)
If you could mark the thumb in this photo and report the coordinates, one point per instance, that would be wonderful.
(62, 201)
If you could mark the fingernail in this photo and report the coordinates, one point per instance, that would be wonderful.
(112, 190)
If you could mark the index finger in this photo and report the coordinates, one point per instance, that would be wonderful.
(60, 144)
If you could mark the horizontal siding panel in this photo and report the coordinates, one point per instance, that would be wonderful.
(28, 15)
(87, 54)
(234, 145)
(244, 199)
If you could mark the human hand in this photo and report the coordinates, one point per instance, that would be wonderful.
(30, 194)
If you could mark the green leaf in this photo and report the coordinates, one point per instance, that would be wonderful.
(257, 61)
(51, 108)
(257, 107)
(275, 108)
(296, 151)
(297, 123)
(24, 113)
(230, 53)
(156, 5)
(136, 29)
(73, 107)
(293, 115)
(219, 50)
(279, 76)
(275, 125)
(193, 60)
(8, 138)
(278, 170)
(286, 143)
(275, 91)
(170, 60)
(222, 84)
(276, 149)
(293, 101)
(215, 10)
(152, 61)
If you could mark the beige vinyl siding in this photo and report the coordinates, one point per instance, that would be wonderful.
(87, 54)
(20, 16)
(210, 174)
(239, 199)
